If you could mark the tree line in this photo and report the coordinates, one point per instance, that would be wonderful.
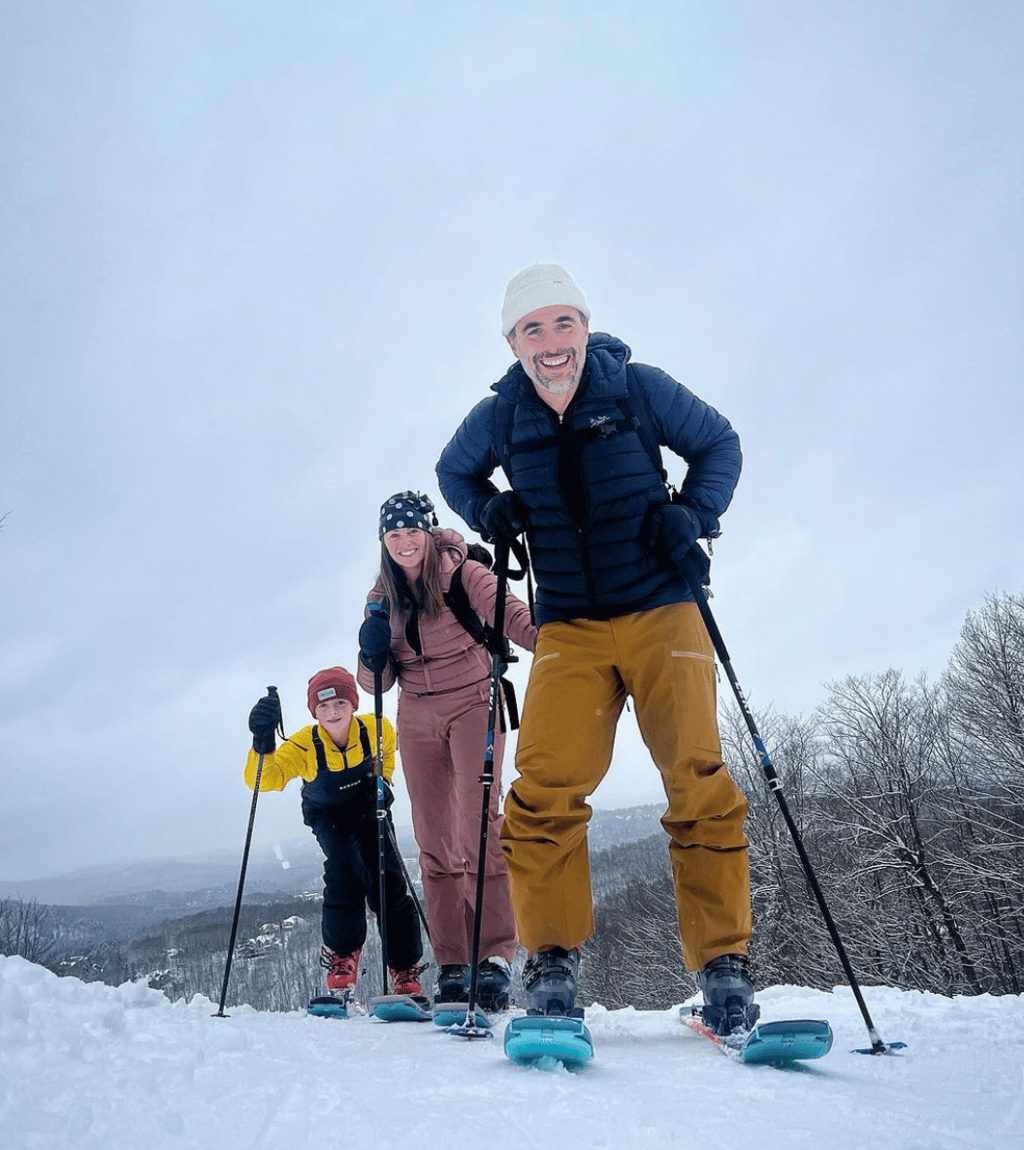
(909, 799)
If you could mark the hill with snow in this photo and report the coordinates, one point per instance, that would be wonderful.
(210, 878)
(85, 1066)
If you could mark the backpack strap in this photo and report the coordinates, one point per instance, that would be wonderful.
(412, 624)
(640, 416)
(412, 629)
(636, 416)
(458, 603)
(504, 414)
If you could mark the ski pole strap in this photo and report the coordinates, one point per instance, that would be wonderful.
(522, 556)
(518, 548)
(509, 692)
(694, 568)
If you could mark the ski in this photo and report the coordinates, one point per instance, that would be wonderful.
(400, 1008)
(880, 1048)
(456, 1014)
(330, 1005)
(774, 1043)
(548, 1041)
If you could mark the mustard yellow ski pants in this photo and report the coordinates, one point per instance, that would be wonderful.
(582, 673)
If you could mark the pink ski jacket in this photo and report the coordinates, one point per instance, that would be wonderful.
(450, 659)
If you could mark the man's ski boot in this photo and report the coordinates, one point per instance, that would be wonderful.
(342, 972)
(493, 980)
(729, 1006)
(549, 981)
(729, 1019)
(552, 1031)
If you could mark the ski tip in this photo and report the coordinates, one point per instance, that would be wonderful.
(777, 1043)
(547, 1042)
(455, 1014)
(400, 1008)
(549, 1063)
(328, 1006)
(793, 1040)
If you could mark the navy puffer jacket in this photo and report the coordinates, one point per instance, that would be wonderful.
(586, 493)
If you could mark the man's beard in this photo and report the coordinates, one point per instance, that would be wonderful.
(561, 384)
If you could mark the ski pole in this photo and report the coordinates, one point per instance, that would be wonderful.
(469, 1029)
(408, 880)
(272, 691)
(691, 568)
(382, 813)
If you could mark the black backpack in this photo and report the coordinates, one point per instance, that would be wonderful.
(460, 606)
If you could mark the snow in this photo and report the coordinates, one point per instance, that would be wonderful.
(85, 1066)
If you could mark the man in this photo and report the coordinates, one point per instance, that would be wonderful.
(577, 429)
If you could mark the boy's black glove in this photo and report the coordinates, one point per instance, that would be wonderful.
(264, 720)
(503, 517)
(375, 642)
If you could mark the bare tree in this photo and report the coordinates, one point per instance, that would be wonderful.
(24, 930)
(985, 685)
(789, 933)
(887, 777)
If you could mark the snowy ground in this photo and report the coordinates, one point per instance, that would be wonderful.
(85, 1066)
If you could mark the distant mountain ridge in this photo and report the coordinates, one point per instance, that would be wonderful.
(210, 878)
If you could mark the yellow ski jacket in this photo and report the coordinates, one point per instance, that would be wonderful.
(296, 756)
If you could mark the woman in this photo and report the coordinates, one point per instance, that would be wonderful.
(443, 671)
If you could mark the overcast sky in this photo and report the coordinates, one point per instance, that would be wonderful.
(253, 257)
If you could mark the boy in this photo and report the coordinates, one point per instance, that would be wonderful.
(335, 758)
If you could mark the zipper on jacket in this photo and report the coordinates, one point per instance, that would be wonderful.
(566, 444)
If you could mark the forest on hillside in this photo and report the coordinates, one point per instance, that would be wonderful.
(908, 797)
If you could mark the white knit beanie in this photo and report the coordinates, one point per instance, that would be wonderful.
(541, 285)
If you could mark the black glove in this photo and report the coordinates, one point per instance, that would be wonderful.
(264, 720)
(670, 530)
(503, 517)
(375, 642)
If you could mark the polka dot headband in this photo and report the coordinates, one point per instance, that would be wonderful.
(407, 509)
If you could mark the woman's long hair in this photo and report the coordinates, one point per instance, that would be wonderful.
(425, 593)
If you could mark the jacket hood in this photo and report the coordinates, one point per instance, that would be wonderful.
(448, 539)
